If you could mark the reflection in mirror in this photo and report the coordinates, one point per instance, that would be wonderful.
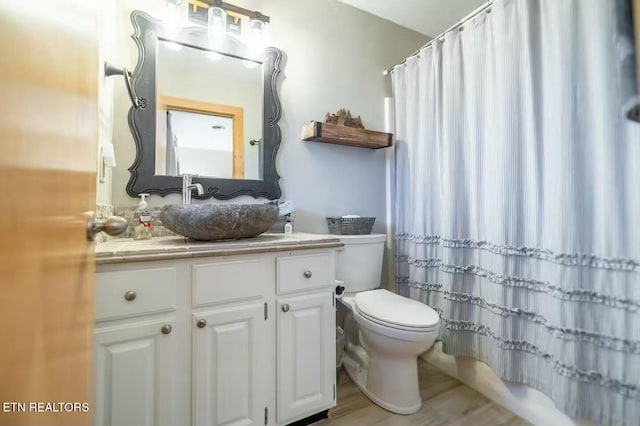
(199, 144)
(209, 132)
(209, 108)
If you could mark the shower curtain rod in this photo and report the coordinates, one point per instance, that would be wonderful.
(485, 7)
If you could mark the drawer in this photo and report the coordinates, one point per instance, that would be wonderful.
(137, 292)
(230, 281)
(301, 273)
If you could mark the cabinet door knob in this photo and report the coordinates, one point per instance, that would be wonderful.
(130, 295)
(166, 329)
(285, 308)
(307, 274)
(202, 323)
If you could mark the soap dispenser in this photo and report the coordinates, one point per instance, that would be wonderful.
(142, 231)
(288, 227)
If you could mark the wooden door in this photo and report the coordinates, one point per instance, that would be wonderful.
(306, 355)
(232, 366)
(136, 375)
(48, 144)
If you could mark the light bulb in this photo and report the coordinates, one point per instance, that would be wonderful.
(256, 42)
(217, 25)
(256, 26)
(174, 18)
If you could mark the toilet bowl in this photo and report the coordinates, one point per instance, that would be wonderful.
(392, 337)
(393, 345)
(391, 330)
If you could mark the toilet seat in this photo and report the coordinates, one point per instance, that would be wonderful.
(390, 310)
(397, 326)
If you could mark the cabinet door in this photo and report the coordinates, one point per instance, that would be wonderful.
(135, 374)
(306, 355)
(231, 371)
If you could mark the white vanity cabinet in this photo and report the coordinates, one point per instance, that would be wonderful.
(138, 341)
(230, 381)
(233, 340)
(306, 355)
(238, 339)
(306, 336)
(136, 376)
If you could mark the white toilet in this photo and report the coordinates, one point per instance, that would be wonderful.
(393, 330)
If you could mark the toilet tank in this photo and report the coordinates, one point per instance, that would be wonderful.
(359, 264)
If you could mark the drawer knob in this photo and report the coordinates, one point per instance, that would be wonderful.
(285, 308)
(166, 329)
(130, 295)
(307, 274)
(202, 323)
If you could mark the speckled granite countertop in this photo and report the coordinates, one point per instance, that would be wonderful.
(120, 250)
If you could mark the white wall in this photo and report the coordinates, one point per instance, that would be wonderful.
(334, 57)
(108, 31)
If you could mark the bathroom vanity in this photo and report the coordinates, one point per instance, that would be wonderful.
(214, 333)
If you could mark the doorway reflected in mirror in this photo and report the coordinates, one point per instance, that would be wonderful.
(200, 144)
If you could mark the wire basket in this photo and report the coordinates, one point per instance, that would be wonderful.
(350, 225)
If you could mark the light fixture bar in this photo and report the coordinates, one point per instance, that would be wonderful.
(251, 14)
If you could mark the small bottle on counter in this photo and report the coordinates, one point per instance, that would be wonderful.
(142, 231)
(288, 227)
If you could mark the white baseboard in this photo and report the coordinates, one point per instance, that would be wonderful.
(525, 401)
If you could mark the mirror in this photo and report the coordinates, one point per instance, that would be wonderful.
(209, 109)
(206, 112)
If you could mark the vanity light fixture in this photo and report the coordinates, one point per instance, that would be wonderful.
(228, 7)
(217, 22)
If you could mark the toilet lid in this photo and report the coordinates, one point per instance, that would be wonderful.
(390, 308)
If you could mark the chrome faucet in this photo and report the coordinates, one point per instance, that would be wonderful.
(187, 187)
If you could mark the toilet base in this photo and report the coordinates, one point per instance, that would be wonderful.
(358, 372)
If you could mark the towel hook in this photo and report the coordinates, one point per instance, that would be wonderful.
(110, 69)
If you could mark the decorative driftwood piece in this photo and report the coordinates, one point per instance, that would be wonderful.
(343, 118)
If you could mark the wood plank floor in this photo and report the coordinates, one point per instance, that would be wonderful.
(446, 402)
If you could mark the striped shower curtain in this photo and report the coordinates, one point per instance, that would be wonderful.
(518, 198)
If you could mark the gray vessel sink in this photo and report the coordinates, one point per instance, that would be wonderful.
(209, 222)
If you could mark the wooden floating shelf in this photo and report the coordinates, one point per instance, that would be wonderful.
(343, 135)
